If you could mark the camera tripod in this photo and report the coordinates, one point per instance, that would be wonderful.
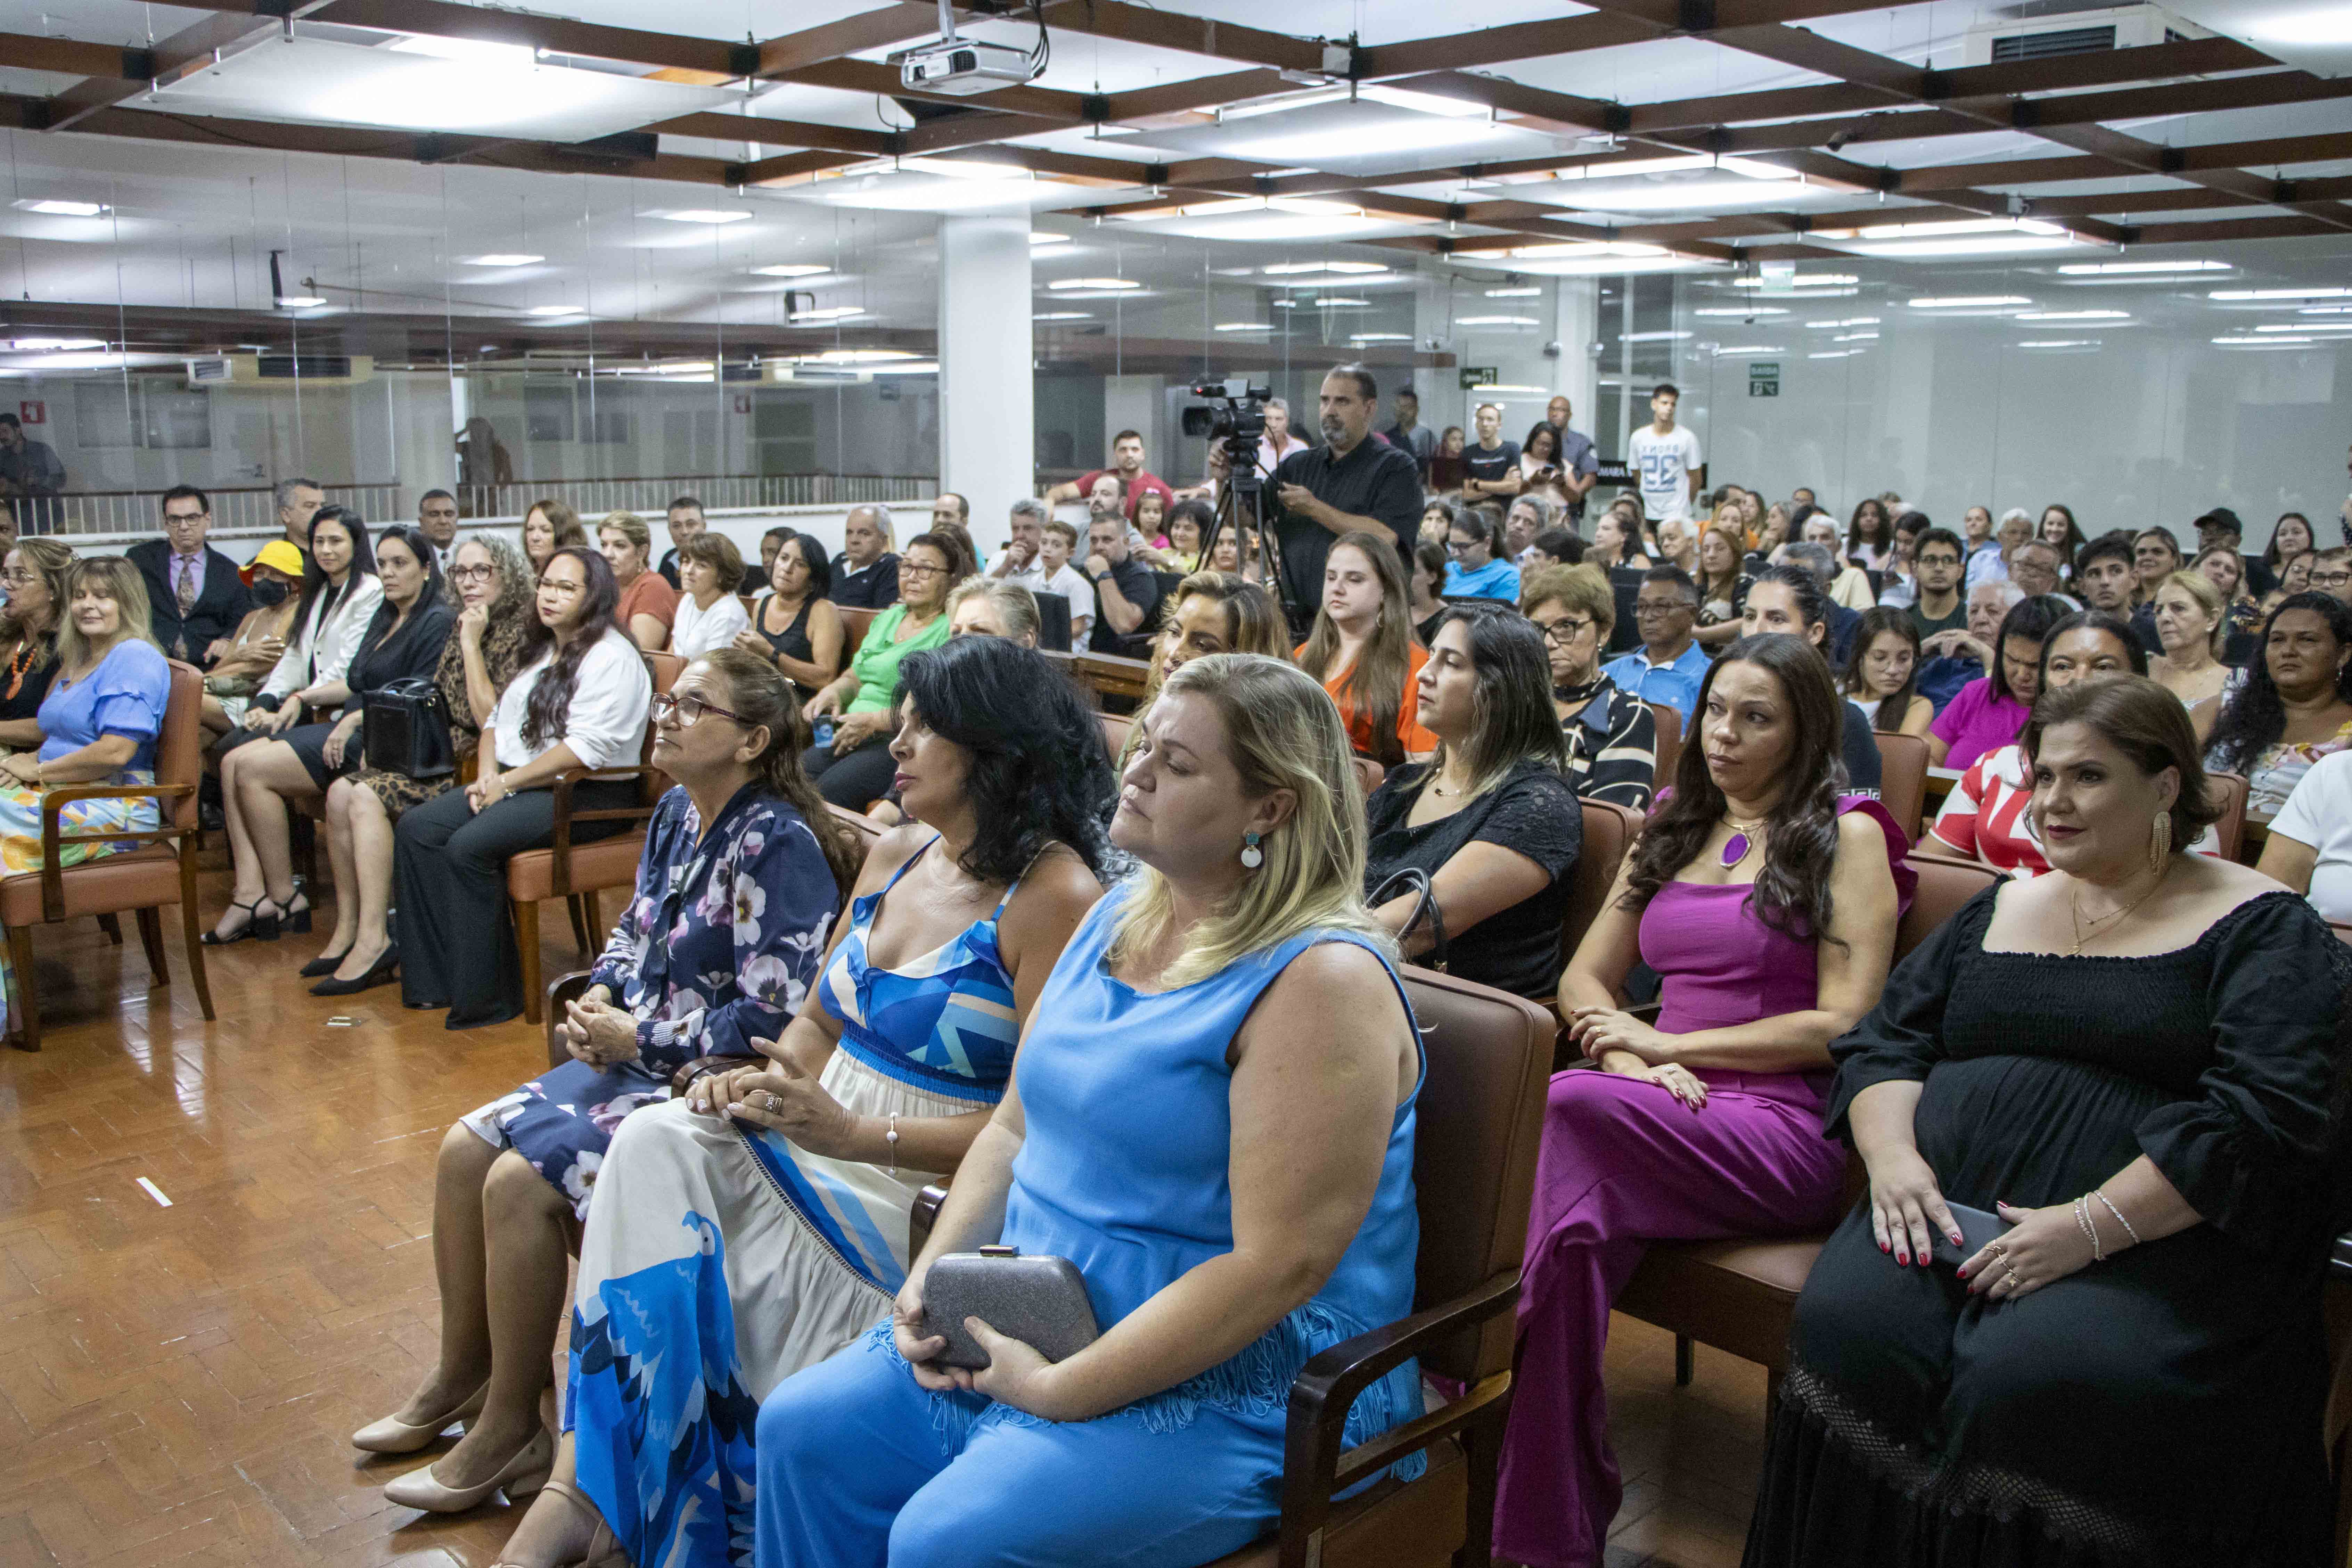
(1242, 503)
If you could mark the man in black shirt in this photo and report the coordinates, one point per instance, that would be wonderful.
(1351, 483)
(1126, 595)
(865, 573)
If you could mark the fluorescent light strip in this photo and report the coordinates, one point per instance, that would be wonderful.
(1495, 322)
(1801, 280)
(2237, 294)
(1063, 316)
(1654, 337)
(792, 269)
(53, 207)
(1244, 327)
(1520, 294)
(702, 214)
(1971, 302)
(2061, 343)
(2262, 343)
(504, 258)
(1750, 349)
(2072, 316)
(2129, 268)
(1740, 312)
(1106, 285)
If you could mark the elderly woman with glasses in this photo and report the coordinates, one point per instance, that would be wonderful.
(1612, 735)
(851, 761)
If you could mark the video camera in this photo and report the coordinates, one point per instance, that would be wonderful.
(1240, 424)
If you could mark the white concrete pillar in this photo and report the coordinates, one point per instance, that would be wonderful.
(987, 413)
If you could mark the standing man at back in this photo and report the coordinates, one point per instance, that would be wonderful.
(1580, 468)
(1127, 462)
(437, 515)
(685, 522)
(1409, 434)
(195, 600)
(1666, 457)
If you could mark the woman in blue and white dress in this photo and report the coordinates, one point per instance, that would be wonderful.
(743, 873)
(761, 1224)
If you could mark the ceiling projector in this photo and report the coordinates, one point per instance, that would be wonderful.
(962, 67)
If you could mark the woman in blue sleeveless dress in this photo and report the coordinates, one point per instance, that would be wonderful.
(759, 1224)
(1212, 1118)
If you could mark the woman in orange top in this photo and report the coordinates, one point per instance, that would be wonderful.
(1362, 650)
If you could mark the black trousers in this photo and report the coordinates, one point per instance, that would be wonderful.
(855, 779)
(450, 867)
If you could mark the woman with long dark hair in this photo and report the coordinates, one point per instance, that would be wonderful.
(1539, 471)
(794, 623)
(2059, 531)
(1882, 673)
(1767, 903)
(1425, 588)
(1870, 535)
(1991, 711)
(760, 1225)
(2295, 705)
(2291, 537)
(579, 702)
(1489, 820)
(1362, 649)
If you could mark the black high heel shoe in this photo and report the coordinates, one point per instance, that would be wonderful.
(325, 963)
(260, 927)
(379, 973)
(294, 919)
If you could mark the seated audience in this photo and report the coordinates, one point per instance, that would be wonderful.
(1669, 666)
(1616, 541)
(491, 590)
(1235, 1185)
(1842, 617)
(1722, 587)
(274, 583)
(1488, 820)
(1882, 674)
(1991, 711)
(1425, 588)
(193, 592)
(2190, 616)
(1437, 519)
(2164, 1145)
(1936, 603)
(688, 971)
(1449, 466)
(1475, 572)
(795, 625)
(865, 573)
(709, 616)
(1767, 900)
(776, 1193)
(1955, 655)
(1847, 586)
(2331, 572)
(1362, 650)
(853, 766)
(648, 605)
(2226, 569)
(1985, 818)
(1057, 541)
(1869, 536)
(1553, 547)
(2059, 531)
(2294, 577)
(1611, 734)
(2290, 537)
(579, 702)
(98, 726)
(980, 606)
(1531, 513)
(2310, 844)
(2103, 575)
(1188, 525)
(771, 544)
(34, 572)
(1770, 535)
(1788, 599)
(2156, 556)
(2293, 707)
(1126, 471)
(685, 521)
(1127, 594)
(550, 526)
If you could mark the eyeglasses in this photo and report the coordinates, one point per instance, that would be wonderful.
(910, 569)
(1562, 633)
(690, 709)
(481, 574)
(18, 579)
(1457, 546)
(1658, 607)
(2342, 579)
(559, 585)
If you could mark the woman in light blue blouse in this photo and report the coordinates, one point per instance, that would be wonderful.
(100, 723)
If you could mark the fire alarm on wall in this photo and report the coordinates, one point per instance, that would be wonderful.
(32, 412)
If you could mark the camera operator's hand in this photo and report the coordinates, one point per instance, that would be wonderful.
(1300, 502)
(1219, 463)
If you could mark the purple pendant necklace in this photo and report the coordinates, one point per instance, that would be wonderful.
(1742, 840)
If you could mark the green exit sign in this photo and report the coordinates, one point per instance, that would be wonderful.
(1474, 376)
(1763, 378)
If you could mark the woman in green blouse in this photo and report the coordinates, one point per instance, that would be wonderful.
(856, 768)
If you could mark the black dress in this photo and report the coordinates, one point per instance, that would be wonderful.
(1531, 811)
(415, 650)
(2162, 1407)
(793, 642)
(24, 679)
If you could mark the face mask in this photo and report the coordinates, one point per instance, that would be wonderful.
(269, 594)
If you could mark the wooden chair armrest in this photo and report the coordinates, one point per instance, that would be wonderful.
(1315, 1470)
(702, 1067)
(53, 880)
(566, 987)
(565, 815)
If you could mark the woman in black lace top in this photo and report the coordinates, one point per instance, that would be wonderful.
(2136, 1060)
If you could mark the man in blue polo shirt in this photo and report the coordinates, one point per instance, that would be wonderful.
(1669, 665)
(1474, 572)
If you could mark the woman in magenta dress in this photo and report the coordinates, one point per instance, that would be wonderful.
(1706, 1124)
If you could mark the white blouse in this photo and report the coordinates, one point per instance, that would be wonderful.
(693, 633)
(322, 650)
(605, 726)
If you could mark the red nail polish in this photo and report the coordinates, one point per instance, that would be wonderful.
(1904, 1258)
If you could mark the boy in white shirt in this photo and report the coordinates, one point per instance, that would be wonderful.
(1056, 542)
(1666, 457)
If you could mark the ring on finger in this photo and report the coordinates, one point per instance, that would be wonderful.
(770, 1104)
(2011, 1280)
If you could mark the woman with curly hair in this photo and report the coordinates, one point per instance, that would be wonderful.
(2294, 707)
(489, 588)
(743, 871)
(759, 1224)
(1766, 902)
(1870, 535)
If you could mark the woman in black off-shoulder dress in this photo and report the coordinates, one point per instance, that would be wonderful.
(2160, 1405)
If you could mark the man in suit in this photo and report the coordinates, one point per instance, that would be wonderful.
(195, 600)
(436, 515)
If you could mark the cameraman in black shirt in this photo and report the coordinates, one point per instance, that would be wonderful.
(1355, 481)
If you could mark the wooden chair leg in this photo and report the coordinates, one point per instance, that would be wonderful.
(525, 919)
(1684, 1360)
(193, 927)
(592, 942)
(113, 926)
(28, 989)
(150, 937)
(571, 906)
(1483, 1443)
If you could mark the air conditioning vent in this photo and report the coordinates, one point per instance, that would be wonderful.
(2041, 45)
(287, 371)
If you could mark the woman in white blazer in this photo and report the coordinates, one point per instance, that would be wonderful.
(340, 594)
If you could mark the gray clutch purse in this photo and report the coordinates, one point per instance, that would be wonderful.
(1037, 1300)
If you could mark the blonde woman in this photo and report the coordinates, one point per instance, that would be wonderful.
(1362, 650)
(2192, 623)
(1236, 1186)
(648, 603)
(100, 723)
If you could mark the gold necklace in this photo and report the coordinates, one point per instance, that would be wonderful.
(2074, 908)
(1743, 838)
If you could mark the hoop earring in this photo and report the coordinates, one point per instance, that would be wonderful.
(2159, 840)
(1252, 855)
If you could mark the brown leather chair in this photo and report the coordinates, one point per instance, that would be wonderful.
(1903, 779)
(1480, 1117)
(576, 873)
(854, 623)
(2231, 829)
(1115, 678)
(1740, 1294)
(1669, 720)
(1609, 830)
(1115, 731)
(162, 871)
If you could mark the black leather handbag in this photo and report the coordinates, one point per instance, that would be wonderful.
(407, 730)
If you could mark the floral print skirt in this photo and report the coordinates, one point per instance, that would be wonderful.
(563, 1120)
(20, 840)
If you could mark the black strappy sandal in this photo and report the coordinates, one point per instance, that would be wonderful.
(260, 928)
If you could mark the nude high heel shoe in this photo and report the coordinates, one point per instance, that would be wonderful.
(393, 1436)
(604, 1546)
(521, 1475)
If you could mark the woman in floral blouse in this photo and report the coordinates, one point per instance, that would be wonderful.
(719, 944)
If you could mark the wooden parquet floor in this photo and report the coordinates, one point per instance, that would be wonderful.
(178, 1385)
